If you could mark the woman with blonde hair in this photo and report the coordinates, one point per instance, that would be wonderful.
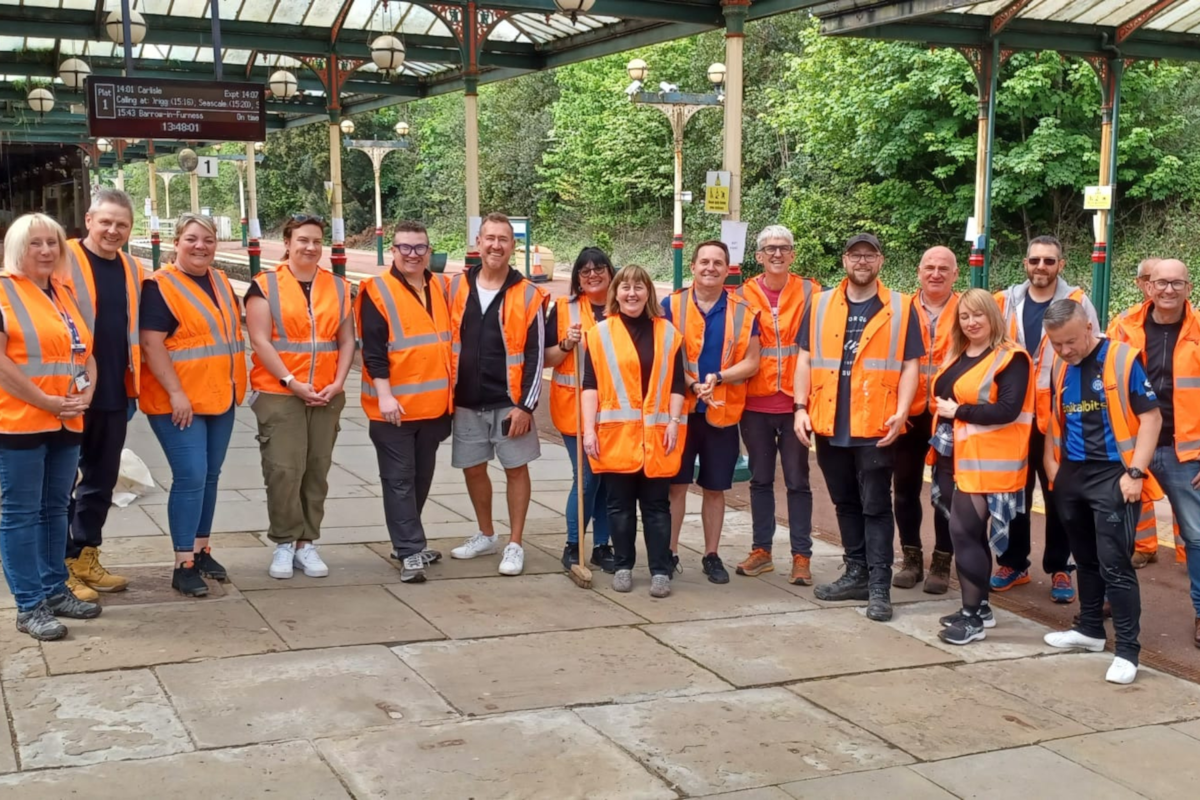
(47, 377)
(633, 393)
(984, 402)
(191, 335)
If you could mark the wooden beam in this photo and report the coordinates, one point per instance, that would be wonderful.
(1007, 14)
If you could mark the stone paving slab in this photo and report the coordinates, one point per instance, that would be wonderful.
(451, 534)
(896, 783)
(233, 516)
(7, 601)
(537, 562)
(826, 569)
(541, 755)
(20, 656)
(1073, 685)
(542, 670)
(74, 720)
(335, 493)
(8, 756)
(288, 770)
(1013, 637)
(791, 647)
(912, 709)
(1190, 728)
(336, 616)
(500, 606)
(140, 550)
(740, 740)
(151, 583)
(766, 793)
(1021, 772)
(139, 636)
(134, 520)
(349, 565)
(1156, 761)
(307, 695)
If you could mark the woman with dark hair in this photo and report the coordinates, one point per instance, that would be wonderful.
(569, 321)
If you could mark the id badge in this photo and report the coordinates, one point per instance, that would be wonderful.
(82, 382)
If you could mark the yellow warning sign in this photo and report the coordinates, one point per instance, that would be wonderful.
(1097, 198)
(716, 193)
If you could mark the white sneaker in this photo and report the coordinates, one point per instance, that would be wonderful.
(477, 545)
(513, 562)
(281, 562)
(1074, 640)
(308, 559)
(1122, 671)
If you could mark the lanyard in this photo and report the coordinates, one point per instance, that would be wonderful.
(78, 348)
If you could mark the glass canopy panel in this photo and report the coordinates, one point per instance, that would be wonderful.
(293, 12)
(505, 31)
(1113, 12)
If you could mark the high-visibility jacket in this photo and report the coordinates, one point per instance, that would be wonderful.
(206, 350)
(936, 348)
(520, 305)
(83, 282)
(1118, 364)
(739, 324)
(777, 330)
(570, 311)
(630, 427)
(305, 336)
(39, 343)
(1130, 327)
(991, 459)
(875, 375)
(418, 346)
(1012, 307)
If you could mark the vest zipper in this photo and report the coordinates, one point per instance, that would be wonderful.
(778, 349)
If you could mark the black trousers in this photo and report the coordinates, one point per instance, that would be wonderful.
(1102, 530)
(968, 520)
(1056, 557)
(100, 466)
(407, 456)
(859, 480)
(768, 436)
(625, 493)
(909, 479)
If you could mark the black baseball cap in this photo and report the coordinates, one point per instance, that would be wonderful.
(862, 238)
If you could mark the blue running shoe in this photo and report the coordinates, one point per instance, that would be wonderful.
(1007, 577)
(1061, 590)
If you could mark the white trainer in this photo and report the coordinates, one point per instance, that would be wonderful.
(308, 559)
(477, 545)
(1074, 640)
(281, 562)
(513, 562)
(1122, 671)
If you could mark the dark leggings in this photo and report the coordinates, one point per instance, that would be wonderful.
(969, 532)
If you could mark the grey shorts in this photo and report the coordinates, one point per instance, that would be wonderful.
(477, 439)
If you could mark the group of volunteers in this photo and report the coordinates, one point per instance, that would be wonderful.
(993, 392)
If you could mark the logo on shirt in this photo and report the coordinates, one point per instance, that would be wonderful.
(1097, 385)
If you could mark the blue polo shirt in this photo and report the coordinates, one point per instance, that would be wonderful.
(1089, 434)
(714, 336)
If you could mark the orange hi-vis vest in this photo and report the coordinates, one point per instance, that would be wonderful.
(570, 311)
(936, 348)
(739, 324)
(207, 349)
(1118, 364)
(39, 343)
(418, 346)
(83, 282)
(1012, 303)
(777, 364)
(1130, 328)
(629, 427)
(991, 459)
(875, 375)
(304, 335)
(521, 303)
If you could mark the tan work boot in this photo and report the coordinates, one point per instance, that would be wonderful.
(758, 562)
(913, 569)
(938, 579)
(87, 569)
(1141, 559)
(78, 588)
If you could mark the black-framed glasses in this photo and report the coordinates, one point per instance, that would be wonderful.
(1049, 262)
(592, 270)
(777, 249)
(304, 219)
(1178, 285)
(861, 258)
(410, 249)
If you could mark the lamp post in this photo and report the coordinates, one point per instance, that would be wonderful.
(679, 108)
(376, 151)
(240, 161)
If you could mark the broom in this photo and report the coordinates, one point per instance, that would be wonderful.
(580, 574)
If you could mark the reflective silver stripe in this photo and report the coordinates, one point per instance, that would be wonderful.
(573, 311)
(195, 353)
(971, 429)
(305, 348)
(274, 304)
(619, 415)
(224, 347)
(989, 378)
(1121, 358)
(659, 419)
(1187, 383)
(456, 348)
(515, 361)
(1044, 369)
(368, 387)
(45, 370)
(455, 282)
(226, 293)
(662, 363)
(1187, 446)
(816, 327)
(896, 300)
(33, 344)
(339, 285)
(692, 368)
(559, 379)
(614, 369)
(1147, 513)
(989, 465)
(886, 364)
(739, 319)
(86, 305)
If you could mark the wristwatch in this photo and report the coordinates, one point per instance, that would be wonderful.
(1135, 473)
(286, 380)
(799, 407)
(720, 379)
(677, 420)
(692, 388)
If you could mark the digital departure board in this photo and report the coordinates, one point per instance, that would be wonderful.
(153, 108)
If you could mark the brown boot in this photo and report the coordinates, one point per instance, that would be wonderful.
(938, 581)
(913, 569)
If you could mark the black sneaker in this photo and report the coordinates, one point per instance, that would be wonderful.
(70, 606)
(675, 565)
(187, 580)
(714, 568)
(964, 630)
(604, 558)
(209, 567)
(570, 556)
(851, 586)
(985, 614)
(879, 606)
(39, 623)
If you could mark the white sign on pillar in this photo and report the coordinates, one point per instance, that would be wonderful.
(473, 226)
(733, 234)
(206, 167)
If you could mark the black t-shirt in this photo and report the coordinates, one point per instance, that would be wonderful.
(110, 339)
(552, 322)
(858, 316)
(1031, 321)
(156, 314)
(1011, 384)
(641, 331)
(1160, 369)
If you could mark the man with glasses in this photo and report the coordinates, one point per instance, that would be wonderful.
(1024, 306)
(1166, 329)
(404, 322)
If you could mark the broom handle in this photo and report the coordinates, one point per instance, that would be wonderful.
(579, 454)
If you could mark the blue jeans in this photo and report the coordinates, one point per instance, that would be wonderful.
(195, 454)
(595, 499)
(35, 490)
(1176, 480)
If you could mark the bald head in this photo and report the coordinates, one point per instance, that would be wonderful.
(937, 273)
(1168, 288)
